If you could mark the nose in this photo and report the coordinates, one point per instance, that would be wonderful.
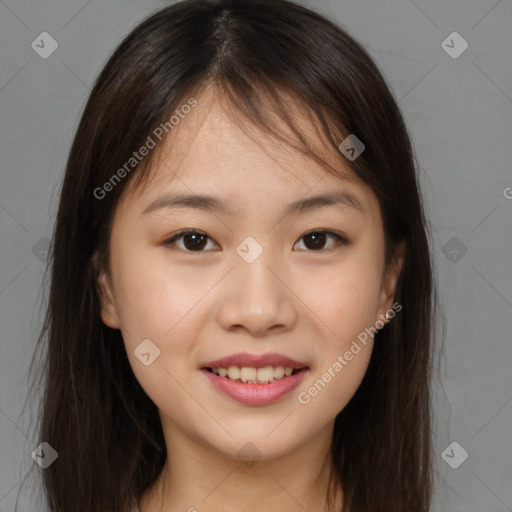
(258, 298)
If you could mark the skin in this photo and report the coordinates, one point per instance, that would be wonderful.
(306, 303)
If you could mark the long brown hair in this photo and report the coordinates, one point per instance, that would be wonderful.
(94, 413)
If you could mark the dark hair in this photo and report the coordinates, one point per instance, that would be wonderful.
(257, 53)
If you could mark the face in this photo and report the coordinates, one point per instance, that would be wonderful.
(248, 277)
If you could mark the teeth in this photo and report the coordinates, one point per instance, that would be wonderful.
(250, 375)
(278, 372)
(265, 374)
(234, 372)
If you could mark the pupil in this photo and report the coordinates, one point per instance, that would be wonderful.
(316, 236)
(194, 245)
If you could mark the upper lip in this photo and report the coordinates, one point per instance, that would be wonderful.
(254, 361)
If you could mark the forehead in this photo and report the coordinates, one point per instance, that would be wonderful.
(212, 150)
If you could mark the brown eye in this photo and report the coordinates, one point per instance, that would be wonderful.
(196, 241)
(315, 240)
(193, 241)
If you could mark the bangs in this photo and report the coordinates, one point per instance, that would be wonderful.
(261, 110)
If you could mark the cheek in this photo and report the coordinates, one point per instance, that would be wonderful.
(345, 297)
(154, 295)
(348, 306)
(333, 385)
(159, 303)
(346, 300)
(162, 305)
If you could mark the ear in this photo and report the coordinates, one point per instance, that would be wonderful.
(108, 309)
(390, 279)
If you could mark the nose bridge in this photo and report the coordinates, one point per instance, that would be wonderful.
(255, 273)
(258, 298)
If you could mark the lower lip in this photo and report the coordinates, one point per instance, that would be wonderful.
(256, 394)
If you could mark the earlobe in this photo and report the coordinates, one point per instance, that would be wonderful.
(108, 311)
(391, 279)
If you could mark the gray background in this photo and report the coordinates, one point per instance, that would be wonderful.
(459, 113)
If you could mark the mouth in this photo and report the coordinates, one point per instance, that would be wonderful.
(255, 386)
(254, 379)
(252, 375)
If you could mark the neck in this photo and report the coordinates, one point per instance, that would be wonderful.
(197, 478)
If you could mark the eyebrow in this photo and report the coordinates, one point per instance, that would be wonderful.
(213, 204)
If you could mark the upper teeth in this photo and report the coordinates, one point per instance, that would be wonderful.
(254, 375)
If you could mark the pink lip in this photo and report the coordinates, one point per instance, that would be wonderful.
(255, 394)
(254, 361)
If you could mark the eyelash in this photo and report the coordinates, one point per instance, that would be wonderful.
(340, 239)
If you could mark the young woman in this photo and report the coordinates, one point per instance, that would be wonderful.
(241, 305)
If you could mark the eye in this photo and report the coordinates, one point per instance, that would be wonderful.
(195, 241)
(317, 239)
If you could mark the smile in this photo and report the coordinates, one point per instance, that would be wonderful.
(251, 392)
(250, 375)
